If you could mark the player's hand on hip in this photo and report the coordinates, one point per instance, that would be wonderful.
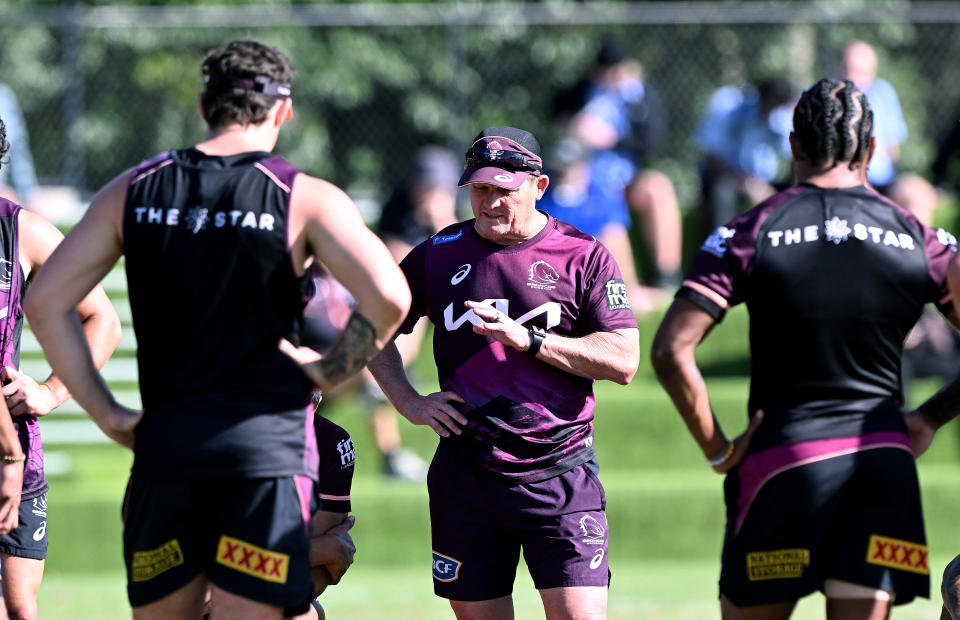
(921, 431)
(741, 445)
(11, 483)
(436, 411)
(118, 424)
(24, 396)
(499, 326)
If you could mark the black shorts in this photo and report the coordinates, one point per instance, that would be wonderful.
(249, 536)
(29, 540)
(846, 509)
(479, 524)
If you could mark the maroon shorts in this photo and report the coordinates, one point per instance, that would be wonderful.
(480, 524)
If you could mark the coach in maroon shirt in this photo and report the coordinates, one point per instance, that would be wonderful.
(528, 312)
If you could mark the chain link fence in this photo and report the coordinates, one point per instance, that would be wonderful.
(103, 87)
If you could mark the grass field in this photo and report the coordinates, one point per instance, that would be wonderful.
(664, 508)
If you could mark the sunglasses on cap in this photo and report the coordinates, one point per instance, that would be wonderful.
(479, 157)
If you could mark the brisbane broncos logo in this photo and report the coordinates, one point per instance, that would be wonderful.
(543, 276)
(592, 530)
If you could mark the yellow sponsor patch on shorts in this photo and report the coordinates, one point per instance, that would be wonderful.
(252, 560)
(899, 554)
(149, 564)
(777, 564)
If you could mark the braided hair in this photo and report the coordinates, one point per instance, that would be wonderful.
(4, 145)
(833, 123)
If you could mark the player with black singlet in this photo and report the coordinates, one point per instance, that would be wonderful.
(821, 490)
(217, 240)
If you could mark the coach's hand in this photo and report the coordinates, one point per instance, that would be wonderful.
(499, 326)
(436, 411)
(118, 424)
(740, 445)
(11, 483)
(24, 396)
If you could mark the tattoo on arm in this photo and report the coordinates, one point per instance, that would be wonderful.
(352, 350)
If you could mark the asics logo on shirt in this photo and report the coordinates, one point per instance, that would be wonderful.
(460, 275)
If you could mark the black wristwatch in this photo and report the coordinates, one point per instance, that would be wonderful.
(537, 335)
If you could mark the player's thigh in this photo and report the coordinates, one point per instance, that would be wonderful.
(185, 602)
(495, 609)
(228, 606)
(772, 611)
(21, 577)
(857, 609)
(575, 603)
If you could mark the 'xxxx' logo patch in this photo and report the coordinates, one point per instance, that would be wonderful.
(149, 564)
(252, 560)
(899, 554)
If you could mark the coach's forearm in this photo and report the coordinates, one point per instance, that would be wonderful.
(612, 356)
(387, 368)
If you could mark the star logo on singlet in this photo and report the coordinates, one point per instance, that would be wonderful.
(836, 230)
(196, 219)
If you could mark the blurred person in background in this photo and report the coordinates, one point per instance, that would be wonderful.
(620, 116)
(578, 196)
(18, 180)
(527, 312)
(26, 242)
(217, 239)
(745, 152)
(858, 64)
(821, 490)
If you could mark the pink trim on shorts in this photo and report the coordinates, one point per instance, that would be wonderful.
(304, 489)
(709, 293)
(335, 498)
(259, 166)
(761, 466)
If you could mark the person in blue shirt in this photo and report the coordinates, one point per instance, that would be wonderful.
(743, 139)
(587, 192)
(858, 64)
(614, 110)
(18, 179)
